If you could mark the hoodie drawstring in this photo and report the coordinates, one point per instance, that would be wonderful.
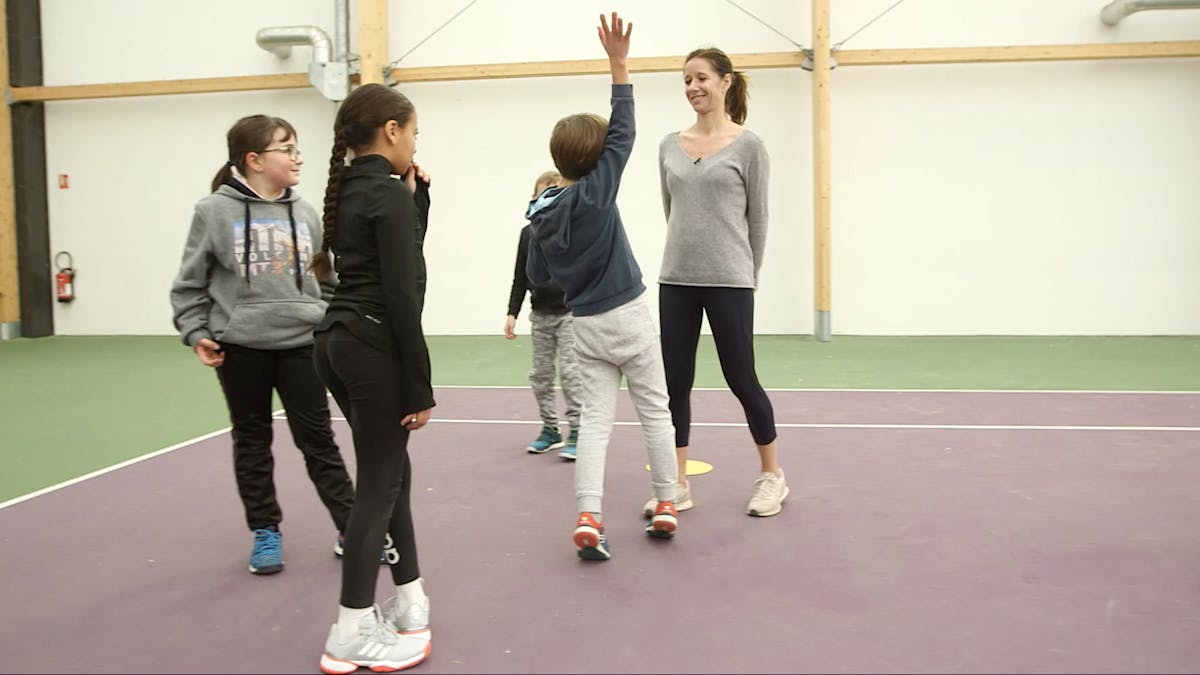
(246, 244)
(296, 250)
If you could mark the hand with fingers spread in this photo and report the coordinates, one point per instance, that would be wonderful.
(614, 38)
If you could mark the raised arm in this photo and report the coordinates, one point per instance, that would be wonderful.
(615, 41)
(603, 182)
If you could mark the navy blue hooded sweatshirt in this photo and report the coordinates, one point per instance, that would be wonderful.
(578, 239)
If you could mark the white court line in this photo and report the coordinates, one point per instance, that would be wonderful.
(994, 427)
(109, 469)
(892, 391)
(278, 415)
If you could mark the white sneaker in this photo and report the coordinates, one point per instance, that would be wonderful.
(683, 500)
(407, 620)
(376, 646)
(769, 492)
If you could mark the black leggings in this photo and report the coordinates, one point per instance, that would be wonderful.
(247, 377)
(730, 314)
(363, 381)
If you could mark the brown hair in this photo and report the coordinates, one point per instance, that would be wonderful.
(366, 109)
(548, 178)
(576, 142)
(249, 134)
(738, 94)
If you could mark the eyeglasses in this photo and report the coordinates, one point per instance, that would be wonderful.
(292, 151)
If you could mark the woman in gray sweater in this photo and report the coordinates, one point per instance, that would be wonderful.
(714, 185)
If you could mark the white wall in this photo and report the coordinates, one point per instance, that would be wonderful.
(1050, 198)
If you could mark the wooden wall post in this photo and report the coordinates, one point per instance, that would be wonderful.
(10, 296)
(372, 40)
(821, 169)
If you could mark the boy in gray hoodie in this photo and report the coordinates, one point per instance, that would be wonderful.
(245, 301)
(579, 242)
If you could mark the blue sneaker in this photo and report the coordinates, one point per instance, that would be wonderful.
(549, 439)
(339, 548)
(267, 555)
(568, 451)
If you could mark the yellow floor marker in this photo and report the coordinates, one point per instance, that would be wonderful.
(694, 467)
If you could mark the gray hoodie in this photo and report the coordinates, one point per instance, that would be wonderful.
(249, 287)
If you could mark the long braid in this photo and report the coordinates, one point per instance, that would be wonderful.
(321, 264)
(358, 118)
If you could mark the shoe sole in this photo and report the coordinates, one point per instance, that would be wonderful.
(335, 666)
(662, 527)
(777, 509)
(587, 540)
(269, 569)
(553, 446)
(594, 554)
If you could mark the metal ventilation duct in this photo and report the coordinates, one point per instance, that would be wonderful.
(1116, 10)
(328, 72)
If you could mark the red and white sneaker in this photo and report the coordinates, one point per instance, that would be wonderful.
(664, 521)
(589, 538)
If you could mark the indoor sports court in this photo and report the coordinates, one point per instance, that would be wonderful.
(975, 322)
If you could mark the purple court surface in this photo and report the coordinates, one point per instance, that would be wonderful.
(939, 532)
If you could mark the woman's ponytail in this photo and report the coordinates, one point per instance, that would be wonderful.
(737, 96)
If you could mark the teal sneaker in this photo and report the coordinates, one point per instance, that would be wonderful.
(568, 451)
(549, 439)
(267, 555)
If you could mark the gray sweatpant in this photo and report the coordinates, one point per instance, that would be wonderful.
(619, 342)
(553, 336)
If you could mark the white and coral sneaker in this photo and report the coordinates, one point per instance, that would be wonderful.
(376, 646)
(769, 492)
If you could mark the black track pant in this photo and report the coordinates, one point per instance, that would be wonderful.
(248, 378)
(730, 314)
(363, 381)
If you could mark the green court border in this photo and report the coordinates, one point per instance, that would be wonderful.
(73, 405)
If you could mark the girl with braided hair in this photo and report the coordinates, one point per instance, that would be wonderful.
(370, 352)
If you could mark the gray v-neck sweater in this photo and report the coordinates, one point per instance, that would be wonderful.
(716, 209)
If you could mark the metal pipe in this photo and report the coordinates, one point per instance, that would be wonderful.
(280, 40)
(1116, 10)
(341, 30)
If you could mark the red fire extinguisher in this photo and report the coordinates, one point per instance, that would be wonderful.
(64, 281)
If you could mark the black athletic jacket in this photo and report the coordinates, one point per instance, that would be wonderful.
(381, 272)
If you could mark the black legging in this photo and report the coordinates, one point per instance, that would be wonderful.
(730, 314)
(362, 380)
